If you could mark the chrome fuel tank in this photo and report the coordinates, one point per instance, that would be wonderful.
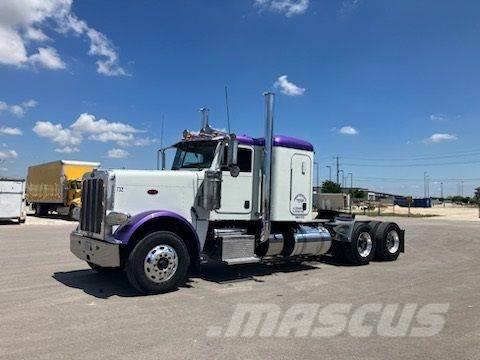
(311, 240)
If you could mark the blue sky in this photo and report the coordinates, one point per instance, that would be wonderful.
(390, 86)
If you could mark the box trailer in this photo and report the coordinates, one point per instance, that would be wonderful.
(12, 199)
(56, 186)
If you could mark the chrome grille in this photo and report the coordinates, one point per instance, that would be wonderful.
(93, 206)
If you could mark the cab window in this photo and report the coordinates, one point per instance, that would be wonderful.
(244, 160)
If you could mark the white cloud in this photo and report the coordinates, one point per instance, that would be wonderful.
(24, 22)
(287, 87)
(57, 134)
(117, 153)
(349, 6)
(48, 58)
(88, 123)
(17, 110)
(348, 130)
(30, 103)
(438, 138)
(8, 154)
(10, 131)
(112, 136)
(87, 126)
(3, 169)
(137, 142)
(67, 150)
(286, 7)
(438, 117)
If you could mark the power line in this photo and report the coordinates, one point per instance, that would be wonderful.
(413, 158)
(444, 180)
(414, 165)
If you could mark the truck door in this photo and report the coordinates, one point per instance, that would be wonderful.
(237, 192)
(300, 184)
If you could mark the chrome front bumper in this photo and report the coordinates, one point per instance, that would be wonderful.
(101, 253)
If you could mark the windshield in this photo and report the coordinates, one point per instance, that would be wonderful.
(194, 155)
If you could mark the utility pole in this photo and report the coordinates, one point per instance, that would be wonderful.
(351, 191)
(343, 175)
(425, 185)
(441, 190)
(318, 173)
(329, 172)
(338, 170)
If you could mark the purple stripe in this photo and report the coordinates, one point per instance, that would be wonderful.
(278, 140)
(125, 232)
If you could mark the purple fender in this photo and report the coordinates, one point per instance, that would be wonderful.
(125, 231)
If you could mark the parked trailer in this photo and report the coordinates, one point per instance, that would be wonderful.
(57, 186)
(227, 198)
(331, 202)
(12, 199)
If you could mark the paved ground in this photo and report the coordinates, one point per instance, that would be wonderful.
(53, 307)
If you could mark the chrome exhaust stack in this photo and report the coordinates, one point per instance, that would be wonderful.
(205, 125)
(267, 166)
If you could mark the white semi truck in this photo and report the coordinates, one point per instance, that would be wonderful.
(230, 199)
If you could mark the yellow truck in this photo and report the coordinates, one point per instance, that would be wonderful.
(57, 186)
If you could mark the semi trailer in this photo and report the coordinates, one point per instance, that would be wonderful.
(57, 186)
(228, 199)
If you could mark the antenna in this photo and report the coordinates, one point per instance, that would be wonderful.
(227, 108)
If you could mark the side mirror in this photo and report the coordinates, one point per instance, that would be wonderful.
(232, 156)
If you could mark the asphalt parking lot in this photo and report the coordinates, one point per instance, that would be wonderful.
(52, 306)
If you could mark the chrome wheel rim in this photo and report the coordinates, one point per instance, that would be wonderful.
(365, 244)
(160, 264)
(393, 242)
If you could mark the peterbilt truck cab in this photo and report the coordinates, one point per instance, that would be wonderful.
(227, 198)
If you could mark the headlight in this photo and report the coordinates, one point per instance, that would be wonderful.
(117, 218)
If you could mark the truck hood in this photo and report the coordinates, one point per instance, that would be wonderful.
(136, 191)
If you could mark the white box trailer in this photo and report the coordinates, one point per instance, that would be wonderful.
(12, 199)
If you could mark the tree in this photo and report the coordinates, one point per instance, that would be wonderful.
(331, 187)
(358, 194)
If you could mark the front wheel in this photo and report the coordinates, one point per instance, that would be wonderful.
(158, 263)
(362, 247)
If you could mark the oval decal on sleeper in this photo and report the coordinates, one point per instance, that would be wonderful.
(152, 192)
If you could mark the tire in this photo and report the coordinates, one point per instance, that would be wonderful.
(338, 251)
(362, 247)
(374, 225)
(103, 270)
(387, 238)
(71, 212)
(41, 210)
(158, 263)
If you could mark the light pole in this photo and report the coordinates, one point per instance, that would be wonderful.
(318, 173)
(329, 172)
(343, 178)
(351, 191)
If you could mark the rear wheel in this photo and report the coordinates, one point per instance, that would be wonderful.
(362, 247)
(387, 238)
(158, 263)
